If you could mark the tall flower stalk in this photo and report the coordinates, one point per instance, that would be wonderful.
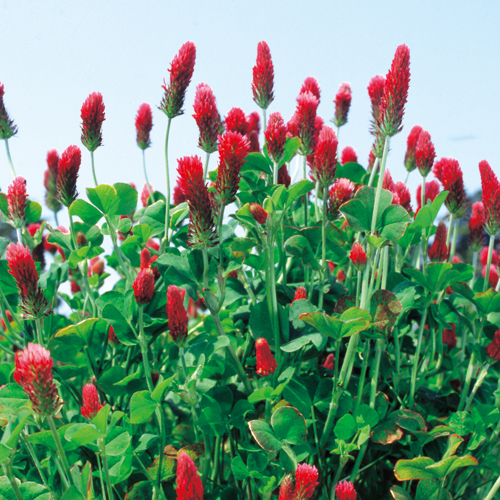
(263, 79)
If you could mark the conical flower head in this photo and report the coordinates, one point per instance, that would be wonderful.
(493, 348)
(144, 125)
(7, 126)
(376, 92)
(491, 198)
(16, 201)
(287, 488)
(342, 104)
(201, 209)
(397, 83)
(236, 121)
(253, 120)
(411, 144)
(449, 336)
(275, 137)
(258, 213)
(303, 123)
(438, 251)
(263, 77)
(329, 363)
(91, 402)
(146, 197)
(476, 226)
(144, 286)
(300, 293)
(283, 176)
(403, 194)
(325, 157)
(176, 313)
(348, 155)
(306, 481)
(207, 118)
(425, 153)
(453, 181)
(189, 485)
(432, 189)
(345, 491)
(311, 85)
(181, 71)
(233, 150)
(266, 364)
(340, 193)
(50, 181)
(33, 371)
(67, 174)
(92, 115)
(358, 256)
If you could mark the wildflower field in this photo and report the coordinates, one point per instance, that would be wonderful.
(280, 321)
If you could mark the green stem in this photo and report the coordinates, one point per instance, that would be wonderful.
(493, 490)
(364, 368)
(385, 268)
(56, 218)
(425, 239)
(167, 198)
(358, 288)
(103, 488)
(118, 252)
(93, 168)
(7, 468)
(379, 185)
(376, 369)
(414, 371)
(102, 452)
(448, 234)
(474, 269)
(243, 278)
(205, 170)
(477, 385)
(323, 251)
(406, 178)
(60, 451)
(270, 284)
(10, 158)
(488, 263)
(219, 226)
(19, 235)
(305, 198)
(264, 124)
(143, 344)
(146, 176)
(39, 332)
(454, 240)
(373, 173)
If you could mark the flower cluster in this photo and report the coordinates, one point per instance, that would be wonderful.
(263, 77)
(92, 114)
(207, 118)
(143, 125)
(7, 126)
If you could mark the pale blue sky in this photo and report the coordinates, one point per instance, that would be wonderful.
(55, 53)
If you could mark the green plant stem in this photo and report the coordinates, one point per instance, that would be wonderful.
(167, 197)
(271, 294)
(205, 170)
(385, 268)
(60, 451)
(425, 239)
(373, 173)
(358, 287)
(305, 198)
(7, 468)
(243, 278)
(375, 371)
(448, 235)
(493, 491)
(39, 331)
(414, 371)
(118, 252)
(488, 263)
(342, 463)
(10, 158)
(474, 268)
(477, 385)
(146, 176)
(86, 285)
(148, 476)
(19, 341)
(362, 377)
(264, 123)
(19, 235)
(101, 478)
(93, 168)
(102, 452)
(219, 227)
(143, 344)
(323, 251)
(379, 185)
(56, 218)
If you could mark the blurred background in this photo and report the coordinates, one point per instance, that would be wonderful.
(54, 54)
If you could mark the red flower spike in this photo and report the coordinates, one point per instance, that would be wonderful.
(145, 194)
(450, 336)
(306, 481)
(50, 181)
(253, 139)
(425, 153)
(286, 488)
(91, 402)
(258, 213)
(397, 83)
(16, 201)
(22, 268)
(376, 92)
(92, 115)
(493, 348)
(437, 170)
(358, 256)
(152, 244)
(311, 85)
(189, 485)
(143, 126)
(176, 313)
(275, 137)
(67, 174)
(342, 104)
(96, 266)
(340, 193)
(303, 123)
(495, 257)
(476, 226)
(348, 155)
(371, 161)
(233, 150)
(181, 71)
(283, 176)
(144, 286)
(263, 77)
(34, 373)
(432, 189)
(112, 338)
(236, 121)
(300, 293)
(491, 198)
(207, 118)
(145, 258)
(329, 363)
(387, 182)
(411, 144)
(7, 127)
(345, 491)
(253, 120)
(178, 195)
(75, 287)
(266, 364)
(438, 251)
(453, 181)
(325, 157)
(493, 276)
(403, 193)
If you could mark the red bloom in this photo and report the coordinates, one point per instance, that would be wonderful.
(275, 136)
(253, 120)
(329, 363)
(91, 402)
(342, 104)
(397, 82)
(438, 251)
(178, 195)
(96, 266)
(411, 144)
(432, 189)
(450, 336)
(491, 198)
(387, 182)
(376, 92)
(493, 276)
(495, 257)
(340, 193)
(403, 193)
(152, 244)
(263, 77)
(181, 71)
(304, 122)
(92, 115)
(258, 213)
(145, 195)
(233, 150)
(236, 121)
(300, 293)
(145, 258)
(207, 118)
(283, 176)
(144, 286)
(358, 256)
(345, 491)
(50, 181)
(493, 348)
(453, 181)
(143, 125)
(311, 85)
(189, 485)
(176, 313)
(371, 160)
(437, 170)
(266, 364)
(286, 488)
(348, 155)
(7, 127)
(23, 269)
(16, 199)
(34, 373)
(253, 139)
(325, 157)
(69, 166)
(306, 481)
(75, 287)
(425, 153)
(112, 338)
(476, 226)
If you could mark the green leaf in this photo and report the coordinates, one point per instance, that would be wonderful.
(385, 308)
(127, 198)
(260, 395)
(159, 391)
(12, 400)
(33, 211)
(83, 434)
(299, 189)
(87, 212)
(366, 416)
(142, 406)
(345, 428)
(448, 465)
(299, 247)
(416, 468)
(399, 493)
(352, 171)
(292, 145)
(154, 218)
(393, 222)
(300, 342)
(256, 162)
(289, 425)
(117, 441)
(105, 198)
(264, 435)
(239, 469)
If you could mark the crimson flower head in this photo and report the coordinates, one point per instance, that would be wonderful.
(438, 251)
(16, 199)
(146, 195)
(207, 118)
(411, 145)
(189, 485)
(286, 488)
(358, 256)
(176, 313)
(92, 115)
(236, 121)
(387, 182)
(178, 195)
(340, 193)
(403, 195)
(348, 155)
(253, 140)
(397, 83)
(491, 198)
(493, 276)
(69, 166)
(253, 120)
(34, 373)
(493, 348)
(50, 181)
(145, 258)
(233, 150)
(22, 268)
(283, 176)
(263, 77)
(345, 491)
(258, 213)
(266, 364)
(181, 71)
(201, 209)
(453, 181)
(376, 92)
(7, 126)
(276, 136)
(306, 481)
(143, 125)
(329, 363)
(325, 157)
(437, 170)
(112, 338)
(450, 336)
(432, 189)
(300, 293)
(144, 286)
(483, 257)
(91, 402)
(425, 153)
(476, 226)
(342, 104)
(311, 84)
(304, 122)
